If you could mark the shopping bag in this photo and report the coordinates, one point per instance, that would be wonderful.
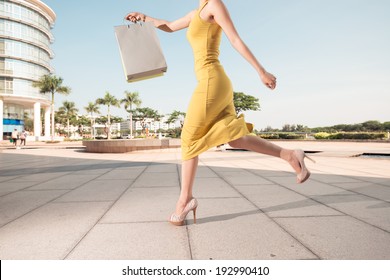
(140, 50)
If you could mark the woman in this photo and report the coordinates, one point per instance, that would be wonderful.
(23, 137)
(211, 119)
(15, 137)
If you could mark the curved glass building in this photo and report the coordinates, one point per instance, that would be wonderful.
(25, 55)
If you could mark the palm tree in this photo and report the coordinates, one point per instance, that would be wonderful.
(175, 116)
(108, 100)
(132, 98)
(51, 84)
(143, 115)
(92, 108)
(68, 110)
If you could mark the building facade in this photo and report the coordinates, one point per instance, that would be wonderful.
(25, 55)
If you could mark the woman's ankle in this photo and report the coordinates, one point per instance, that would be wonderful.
(286, 154)
(183, 200)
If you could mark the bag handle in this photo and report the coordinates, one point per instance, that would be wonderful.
(128, 23)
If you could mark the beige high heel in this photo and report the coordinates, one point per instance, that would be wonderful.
(305, 173)
(178, 220)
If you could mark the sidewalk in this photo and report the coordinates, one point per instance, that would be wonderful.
(67, 204)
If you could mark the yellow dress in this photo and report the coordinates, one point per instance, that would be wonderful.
(211, 119)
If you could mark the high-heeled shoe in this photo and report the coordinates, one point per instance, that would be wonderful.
(305, 173)
(178, 220)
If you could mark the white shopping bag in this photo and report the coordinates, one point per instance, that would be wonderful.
(142, 57)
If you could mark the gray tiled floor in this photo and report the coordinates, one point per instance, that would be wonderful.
(67, 204)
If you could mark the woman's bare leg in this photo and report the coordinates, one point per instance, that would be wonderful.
(259, 145)
(188, 172)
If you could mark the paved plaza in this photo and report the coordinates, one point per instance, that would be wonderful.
(59, 202)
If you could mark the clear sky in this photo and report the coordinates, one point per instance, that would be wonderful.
(331, 58)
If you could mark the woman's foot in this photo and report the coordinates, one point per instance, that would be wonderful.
(296, 158)
(179, 216)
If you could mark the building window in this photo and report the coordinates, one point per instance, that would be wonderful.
(6, 86)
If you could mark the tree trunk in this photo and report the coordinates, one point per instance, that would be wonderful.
(67, 122)
(109, 124)
(92, 127)
(52, 117)
(131, 125)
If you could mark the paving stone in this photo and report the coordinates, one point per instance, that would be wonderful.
(242, 177)
(213, 187)
(134, 241)
(50, 232)
(162, 167)
(234, 229)
(368, 188)
(122, 174)
(4, 179)
(157, 180)
(10, 187)
(205, 172)
(143, 204)
(39, 177)
(67, 182)
(338, 238)
(17, 204)
(97, 190)
(370, 210)
(280, 202)
(309, 188)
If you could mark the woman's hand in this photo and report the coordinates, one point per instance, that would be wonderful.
(135, 16)
(268, 80)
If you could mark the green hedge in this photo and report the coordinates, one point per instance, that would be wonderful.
(351, 136)
(279, 135)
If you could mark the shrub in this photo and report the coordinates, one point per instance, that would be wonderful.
(280, 135)
(351, 136)
(359, 136)
(269, 136)
(291, 136)
(322, 135)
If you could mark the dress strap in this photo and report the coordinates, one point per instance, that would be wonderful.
(204, 5)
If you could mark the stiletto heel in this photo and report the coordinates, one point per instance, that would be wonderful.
(194, 212)
(312, 160)
(305, 173)
(178, 220)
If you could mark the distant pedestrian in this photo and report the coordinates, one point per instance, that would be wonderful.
(15, 136)
(23, 137)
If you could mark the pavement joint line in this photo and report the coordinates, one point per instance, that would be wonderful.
(82, 201)
(216, 198)
(154, 187)
(333, 208)
(33, 185)
(26, 174)
(38, 190)
(178, 173)
(357, 193)
(309, 216)
(134, 222)
(268, 216)
(364, 181)
(108, 209)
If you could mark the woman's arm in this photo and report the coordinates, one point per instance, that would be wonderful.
(219, 13)
(164, 25)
